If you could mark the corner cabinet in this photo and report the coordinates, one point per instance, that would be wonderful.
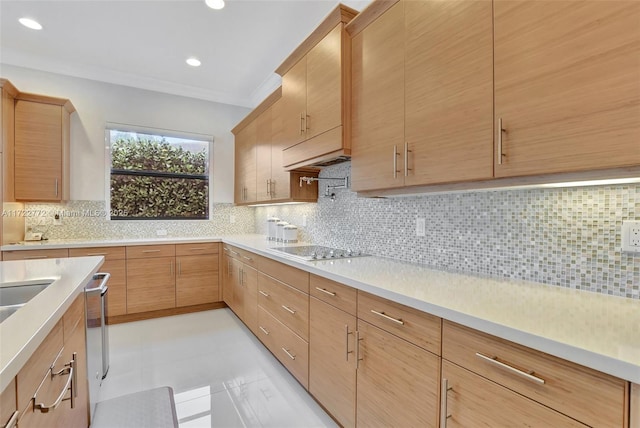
(41, 152)
(259, 174)
(316, 82)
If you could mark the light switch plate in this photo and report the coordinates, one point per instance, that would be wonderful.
(631, 236)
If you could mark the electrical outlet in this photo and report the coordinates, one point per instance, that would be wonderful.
(161, 232)
(631, 236)
(420, 227)
(57, 220)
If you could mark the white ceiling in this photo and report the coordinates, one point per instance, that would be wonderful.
(145, 43)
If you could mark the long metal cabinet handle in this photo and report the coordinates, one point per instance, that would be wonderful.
(387, 317)
(346, 344)
(301, 124)
(286, 351)
(395, 161)
(13, 420)
(35, 257)
(272, 189)
(306, 122)
(263, 293)
(325, 291)
(288, 309)
(56, 187)
(241, 275)
(150, 251)
(96, 254)
(268, 185)
(264, 330)
(526, 375)
(406, 159)
(500, 131)
(357, 349)
(179, 268)
(247, 258)
(197, 249)
(69, 369)
(444, 415)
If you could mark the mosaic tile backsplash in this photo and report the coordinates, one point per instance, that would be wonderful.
(568, 237)
(86, 220)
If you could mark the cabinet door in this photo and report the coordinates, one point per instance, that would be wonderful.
(471, 400)
(398, 382)
(378, 103)
(324, 83)
(197, 280)
(449, 91)
(238, 290)
(245, 164)
(8, 405)
(151, 284)
(280, 184)
(566, 85)
(332, 365)
(249, 280)
(75, 343)
(294, 103)
(263, 156)
(228, 277)
(38, 151)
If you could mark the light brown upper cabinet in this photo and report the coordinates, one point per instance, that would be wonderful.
(422, 101)
(260, 176)
(7, 133)
(315, 94)
(245, 163)
(567, 86)
(41, 148)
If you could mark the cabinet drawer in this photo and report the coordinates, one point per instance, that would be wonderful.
(109, 253)
(288, 347)
(73, 317)
(287, 274)
(35, 254)
(410, 324)
(287, 304)
(341, 296)
(36, 368)
(246, 257)
(472, 400)
(591, 397)
(197, 248)
(149, 251)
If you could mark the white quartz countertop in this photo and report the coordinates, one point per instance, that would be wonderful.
(24, 331)
(116, 242)
(595, 330)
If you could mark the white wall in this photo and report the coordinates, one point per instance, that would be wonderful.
(97, 103)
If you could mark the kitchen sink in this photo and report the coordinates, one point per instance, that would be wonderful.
(14, 295)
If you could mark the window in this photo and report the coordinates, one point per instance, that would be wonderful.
(156, 176)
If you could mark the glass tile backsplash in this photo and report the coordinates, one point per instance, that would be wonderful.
(568, 237)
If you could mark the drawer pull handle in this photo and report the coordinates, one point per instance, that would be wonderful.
(293, 357)
(150, 251)
(35, 257)
(288, 309)
(226, 250)
(235, 253)
(263, 293)
(247, 258)
(96, 254)
(387, 317)
(13, 420)
(325, 291)
(68, 386)
(197, 249)
(264, 330)
(529, 375)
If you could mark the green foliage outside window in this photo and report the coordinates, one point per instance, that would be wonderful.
(152, 178)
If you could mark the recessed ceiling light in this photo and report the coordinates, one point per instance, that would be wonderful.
(30, 23)
(193, 62)
(215, 4)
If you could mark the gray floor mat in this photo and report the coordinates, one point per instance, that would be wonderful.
(154, 408)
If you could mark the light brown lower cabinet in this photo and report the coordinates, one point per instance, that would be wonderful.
(398, 382)
(228, 279)
(197, 280)
(332, 360)
(470, 400)
(151, 284)
(8, 406)
(246, 295)
(47, 375)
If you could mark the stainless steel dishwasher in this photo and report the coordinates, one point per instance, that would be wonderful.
(97, 335)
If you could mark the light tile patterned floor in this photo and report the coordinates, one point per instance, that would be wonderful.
(222, 376)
